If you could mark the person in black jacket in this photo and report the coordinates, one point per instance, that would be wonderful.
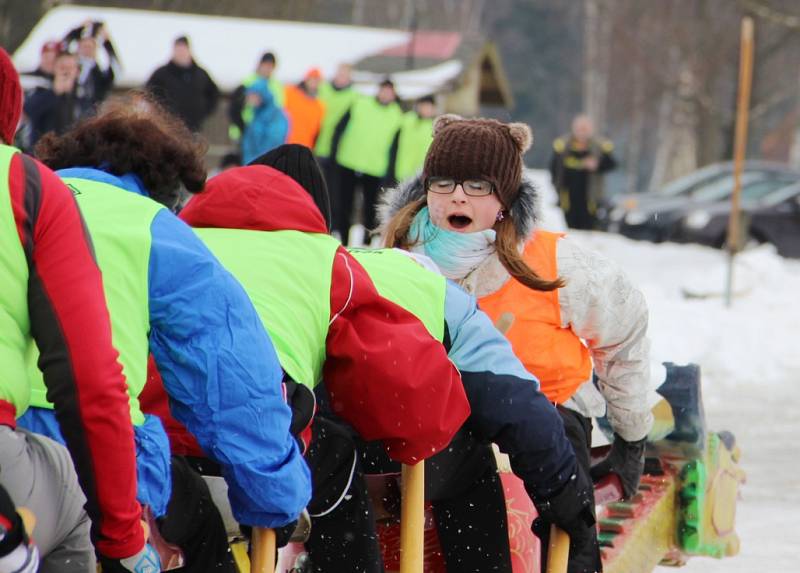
(184, 87)
(577, 166)
(55, 108)
(94, 81)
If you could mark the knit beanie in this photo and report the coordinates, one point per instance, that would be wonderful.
(298, 162)
(10, 98)
(479, 149)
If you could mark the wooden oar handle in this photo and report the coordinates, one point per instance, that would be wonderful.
(412, 518)
(557, 551)
(263, 550)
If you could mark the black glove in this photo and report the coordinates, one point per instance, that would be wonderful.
(571, 509)
(626, 459)
(282, 534)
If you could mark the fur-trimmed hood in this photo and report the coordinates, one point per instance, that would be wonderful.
(524, 211)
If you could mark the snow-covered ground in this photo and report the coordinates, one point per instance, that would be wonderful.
(751, 372)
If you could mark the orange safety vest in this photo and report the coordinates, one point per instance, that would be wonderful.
(552, 353)
(305, 116)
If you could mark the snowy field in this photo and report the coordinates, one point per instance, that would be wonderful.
(751, 372)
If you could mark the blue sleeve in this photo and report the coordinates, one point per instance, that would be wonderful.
(507, 407)
(223, 377)
(153, 477)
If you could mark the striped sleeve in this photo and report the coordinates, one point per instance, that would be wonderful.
(70, 323)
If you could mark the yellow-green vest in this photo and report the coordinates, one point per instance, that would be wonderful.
(416, 135)
(368, 137)
(402, 280)
(119, 224)
(287, 275)
(15, 327)
(337, 102)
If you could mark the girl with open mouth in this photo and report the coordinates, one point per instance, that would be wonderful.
(570, 315)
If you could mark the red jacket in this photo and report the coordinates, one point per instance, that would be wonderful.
(70, 323)
(401, 356)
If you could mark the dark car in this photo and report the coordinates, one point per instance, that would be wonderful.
(636, 204)
(656, 217)
(773, 217)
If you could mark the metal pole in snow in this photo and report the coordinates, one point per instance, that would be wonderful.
(739, 148)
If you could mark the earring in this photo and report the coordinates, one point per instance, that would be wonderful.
(500, 216)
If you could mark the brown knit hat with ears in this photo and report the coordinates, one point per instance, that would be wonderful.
(479, 149)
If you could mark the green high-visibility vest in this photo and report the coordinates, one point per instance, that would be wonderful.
(337, 102)
(15, 327)
(368, 137)
(287, 275)
(408, 284)
(416, 135)
(119, 224)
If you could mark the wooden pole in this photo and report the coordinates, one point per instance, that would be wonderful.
(412, 518)
(263, 550)
(557, 551)
(739, 149)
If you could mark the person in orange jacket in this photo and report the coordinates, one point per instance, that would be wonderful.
(569, 314)
(304, 109)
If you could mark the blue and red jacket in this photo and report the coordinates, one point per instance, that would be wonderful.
(368, 336)
(70, 323)
(220, 371)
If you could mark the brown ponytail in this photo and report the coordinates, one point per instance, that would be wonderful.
(506, 245)
(396, 233)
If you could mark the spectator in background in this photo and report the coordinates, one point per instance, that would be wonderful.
(337, 96)
(58, 107)
(413, 139)
(361, 146)
(32, 82)
(304, 109)
(239, 114)
(268, 128)
(228, 161)
(45, 70)
(579, 160)
(94, 82)
(184, 87)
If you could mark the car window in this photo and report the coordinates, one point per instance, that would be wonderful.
(761, 188)
(690, 183)
(786, 192)
(723, 187)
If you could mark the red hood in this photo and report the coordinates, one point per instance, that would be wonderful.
(255, 197)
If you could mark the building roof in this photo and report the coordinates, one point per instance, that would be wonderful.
(428, 50)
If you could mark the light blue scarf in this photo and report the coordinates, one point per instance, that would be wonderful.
(456, 254)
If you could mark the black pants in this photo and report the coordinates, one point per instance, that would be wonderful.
(194, 523)
(580, 215)
(346, 184)
(461, 482)
(584, 558)
(343, 534)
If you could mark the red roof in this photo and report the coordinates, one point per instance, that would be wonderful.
(426, 44)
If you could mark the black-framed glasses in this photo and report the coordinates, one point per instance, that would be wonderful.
(471, 187)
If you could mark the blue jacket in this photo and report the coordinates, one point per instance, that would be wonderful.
(507, 407)
(269, 127)
(220, 371)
